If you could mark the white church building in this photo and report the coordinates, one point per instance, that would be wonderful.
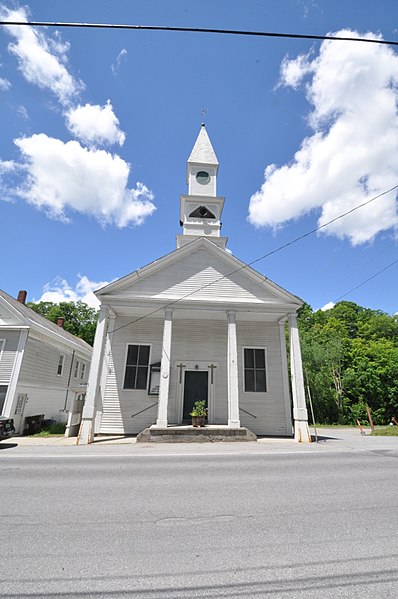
(196, 324)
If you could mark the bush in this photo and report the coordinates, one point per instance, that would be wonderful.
(53, 428)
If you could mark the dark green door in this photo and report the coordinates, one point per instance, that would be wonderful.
(195, 389)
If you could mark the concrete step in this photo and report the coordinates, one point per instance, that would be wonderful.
(190, 434)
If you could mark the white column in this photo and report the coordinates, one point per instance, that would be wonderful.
(300, 414)
(165, 369)
(10, 400)
(232, 370)
(285, 377)
(86, 434)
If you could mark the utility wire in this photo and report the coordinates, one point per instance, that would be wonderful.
(376, 274)
(272, 252)
(200, 30)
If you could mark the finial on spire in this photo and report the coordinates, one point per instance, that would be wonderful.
(203, 116)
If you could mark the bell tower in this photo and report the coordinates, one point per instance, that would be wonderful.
(201, 209)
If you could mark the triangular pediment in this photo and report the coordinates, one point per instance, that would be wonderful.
(201, 272)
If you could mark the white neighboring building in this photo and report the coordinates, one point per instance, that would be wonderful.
(43, 368)
(196, 324)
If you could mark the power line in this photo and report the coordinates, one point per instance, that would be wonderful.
(271, 34)
(247, 265)
(376, 274)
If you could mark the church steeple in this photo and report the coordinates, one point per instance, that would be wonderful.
(201, 209)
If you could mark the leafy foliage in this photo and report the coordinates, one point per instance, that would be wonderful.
(350, 359)
(80, 319)
(199, 408)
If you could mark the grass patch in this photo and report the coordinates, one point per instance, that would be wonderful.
(366, 426)
(386, 431)
(57, 428)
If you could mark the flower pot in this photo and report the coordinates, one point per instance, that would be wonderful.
(198, 420)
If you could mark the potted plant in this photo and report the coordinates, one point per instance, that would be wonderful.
(199, 413)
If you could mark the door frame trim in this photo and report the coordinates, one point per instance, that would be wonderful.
(199, 365)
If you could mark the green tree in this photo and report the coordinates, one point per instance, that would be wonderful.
(80, 319)
(350, 357)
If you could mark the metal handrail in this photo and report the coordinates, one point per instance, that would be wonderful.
(145, 409)
(252, 415)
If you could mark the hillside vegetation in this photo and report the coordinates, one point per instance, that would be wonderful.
(350, 359)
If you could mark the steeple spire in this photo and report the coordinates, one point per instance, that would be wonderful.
(201, 209)
(203, 152)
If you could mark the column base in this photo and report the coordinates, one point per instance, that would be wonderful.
(160, 424)
(302, 432)
(86, 434)
(233, 423)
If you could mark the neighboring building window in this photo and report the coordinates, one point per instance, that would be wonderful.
(2, 344)
(255, 371)
(60, 364)
(77, 369)
(82, 371)
(136, 375)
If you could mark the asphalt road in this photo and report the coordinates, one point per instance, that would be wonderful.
(206, 525)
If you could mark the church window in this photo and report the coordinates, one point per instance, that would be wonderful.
(255, 369)
(202, 177)
(202, 212)
(136, 374)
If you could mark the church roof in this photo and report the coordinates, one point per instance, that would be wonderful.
(203, 151)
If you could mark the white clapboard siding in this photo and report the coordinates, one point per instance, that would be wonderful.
(49, 401)
(269, 407)
(194, 341)
(39, 379)
(7, 357)
(40, 364)
(119, 405)
(193, 272)
(206, 342)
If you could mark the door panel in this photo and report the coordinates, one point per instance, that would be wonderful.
(195, 389)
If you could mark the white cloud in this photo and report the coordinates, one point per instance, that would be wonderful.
(352, 154)
(95, 124)
(119, 57)
(6, 166)
(328, 306)
(59, 290)
(42, 60)
(23, 112)
(4, 84)
(67, 176)
(7, 169)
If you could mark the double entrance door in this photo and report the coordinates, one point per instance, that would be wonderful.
(196, 388)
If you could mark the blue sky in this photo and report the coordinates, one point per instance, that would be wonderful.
(97, 126)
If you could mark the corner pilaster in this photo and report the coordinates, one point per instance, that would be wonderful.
(86, 433)
(300, 414)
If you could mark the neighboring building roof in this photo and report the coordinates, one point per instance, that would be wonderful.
(37, 320)
(203, 151)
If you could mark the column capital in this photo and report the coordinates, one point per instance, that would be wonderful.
(231, 315)
(168, 312)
